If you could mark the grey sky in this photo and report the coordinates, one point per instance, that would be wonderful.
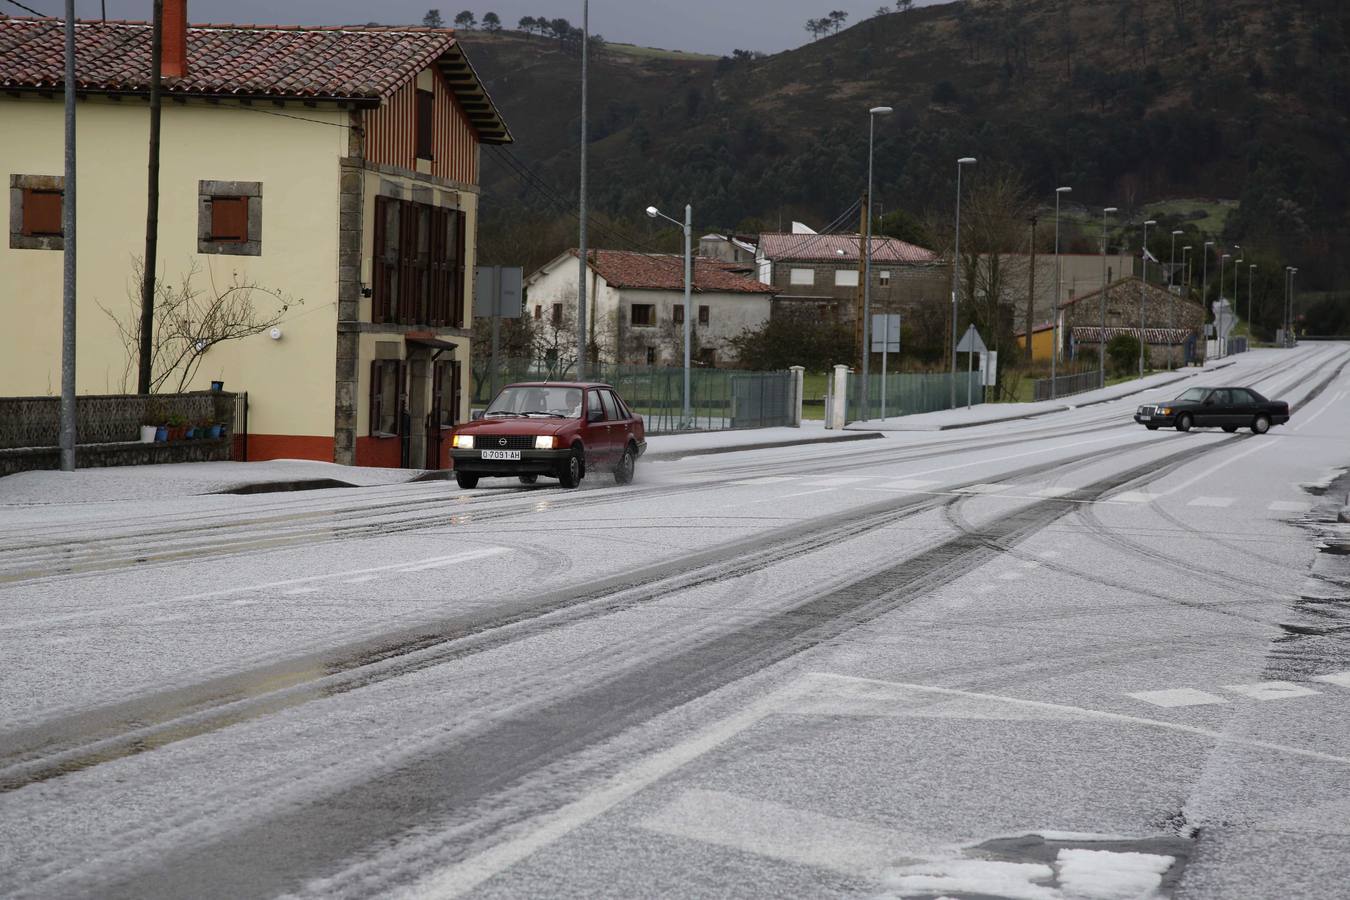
(707, 26)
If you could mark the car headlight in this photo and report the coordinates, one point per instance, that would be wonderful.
(543, 442)
(1165, 410)
(463, 442)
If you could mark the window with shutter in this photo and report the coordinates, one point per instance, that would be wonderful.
(42, 213)
(229, 219)
(704, 315)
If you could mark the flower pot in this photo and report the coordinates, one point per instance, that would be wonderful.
(217, 386)
(148, 433)
(162, 434)
(217, 431)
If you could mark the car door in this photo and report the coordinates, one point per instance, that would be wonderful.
(1209, 413)
(595, 430)
(1243, 407)
(622, 423)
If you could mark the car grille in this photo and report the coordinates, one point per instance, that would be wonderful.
(1147, 410)
(503, 442)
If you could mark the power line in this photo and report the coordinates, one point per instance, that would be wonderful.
(29, 9)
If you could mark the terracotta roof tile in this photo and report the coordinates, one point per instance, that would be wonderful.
(665, 272)
(243, 60)
(840, 248)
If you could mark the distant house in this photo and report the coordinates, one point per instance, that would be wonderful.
(823, 271)
(728, 248)
(636, 305)
(1079, 273)
(1172, 324)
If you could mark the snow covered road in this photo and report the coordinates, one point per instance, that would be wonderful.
(1063, 657)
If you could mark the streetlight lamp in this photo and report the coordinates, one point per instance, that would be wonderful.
(1143, 292)
(688, 226)
(1054, 306)
(1101, 342)
(956, 269)
(867, 267)
(1172, 300)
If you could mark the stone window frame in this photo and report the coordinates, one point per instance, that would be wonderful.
(252, 190)
(18, 185)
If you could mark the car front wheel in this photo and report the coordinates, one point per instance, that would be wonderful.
(1151, 427)
(569, 476)
(1184, 422)
(1230, 428)
(1261, 424)
(623, 472)
(528, 479)
(466, 481)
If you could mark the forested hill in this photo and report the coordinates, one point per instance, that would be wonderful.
(1128, 101)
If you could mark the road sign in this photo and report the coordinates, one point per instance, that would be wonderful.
(497, 291)
(886, 333)
(971, 342)
(989, 368)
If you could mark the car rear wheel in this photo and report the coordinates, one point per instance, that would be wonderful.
(1261, 424)
(1230, 428)
(528, 479)
(466, 481)
(1184, 422)
(623, 472)
(569, 476)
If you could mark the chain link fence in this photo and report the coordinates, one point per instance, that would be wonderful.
(908, 394)
(1066, 385)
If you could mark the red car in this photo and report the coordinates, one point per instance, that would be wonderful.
(538, 428)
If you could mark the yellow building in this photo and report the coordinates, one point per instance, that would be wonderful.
(324, 177)
(1042, 342)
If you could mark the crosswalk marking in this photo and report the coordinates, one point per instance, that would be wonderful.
(1134, 497)
(1289, 506)
(1271, 690)
(1215, 502)
(1340, 679)
(1178, 697)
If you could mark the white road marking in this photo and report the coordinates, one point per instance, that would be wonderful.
(767, 479)
(1261, 445)
(1271, 690)
(1048, 554)
(1341, 679)
(782, 832)
(835, 482)
(1289, 506)
(1055, 492)
(1310, 419)
(908, 484)
(1011, 576)
(295, 593)
(1134, 497)
(365, 578)
(983, 489)
(1177, 697)
(786, 496)
(1215, 502)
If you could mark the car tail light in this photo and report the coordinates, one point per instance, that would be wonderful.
(463, 442)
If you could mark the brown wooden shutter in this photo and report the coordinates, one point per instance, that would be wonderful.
(425, 116)
(407, 268)
(457, 271)
(379, 288)
(229, 219)
(41, 213)
(402, 392)
(376, 383)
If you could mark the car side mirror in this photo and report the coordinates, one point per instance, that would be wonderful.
(476, 415)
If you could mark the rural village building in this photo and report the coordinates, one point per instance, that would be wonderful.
(636, 305)
(822, 270)
(338, 166)
(1172, 324)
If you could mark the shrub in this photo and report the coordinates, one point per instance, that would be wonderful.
(1123, 353)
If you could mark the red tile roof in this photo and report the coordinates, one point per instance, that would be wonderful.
(840, 248)
(665, 272)
(359, 64)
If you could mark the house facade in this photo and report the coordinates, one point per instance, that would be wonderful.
(1172, 323)
(635, 304)
(326, 176)
(823, 271)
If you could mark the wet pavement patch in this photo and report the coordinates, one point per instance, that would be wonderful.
(277, 487)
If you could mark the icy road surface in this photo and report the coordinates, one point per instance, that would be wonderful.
(1056, 658)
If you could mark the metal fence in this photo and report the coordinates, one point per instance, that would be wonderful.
(720, 399)
(908, 394)
(1066, 385)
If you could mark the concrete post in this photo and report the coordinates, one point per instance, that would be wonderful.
(797, 376)
(838, 411)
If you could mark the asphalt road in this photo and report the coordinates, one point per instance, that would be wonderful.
(1064, 657)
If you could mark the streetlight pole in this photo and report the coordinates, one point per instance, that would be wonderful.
(1237, 287)
(1054, 306)
(1251, 335)
(581, 242)
(1186, 264)
(1218, 319)
(865, 393)
(1101, 338)
(956, 270)
(1204, 279)
(1143, 292)
(688, 227)
(69, 430)
(1172, 300)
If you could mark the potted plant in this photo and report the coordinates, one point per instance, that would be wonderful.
(177, 427)
(150, 423)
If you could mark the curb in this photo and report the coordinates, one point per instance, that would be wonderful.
(671, 455)
(933, 428)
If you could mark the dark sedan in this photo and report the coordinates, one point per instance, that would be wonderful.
(1229, 408)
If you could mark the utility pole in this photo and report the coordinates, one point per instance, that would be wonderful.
(859, 300)
(1031, 292)
(68, 421)
(150, 263)
(581, 257)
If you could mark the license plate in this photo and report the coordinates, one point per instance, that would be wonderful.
(501, 454)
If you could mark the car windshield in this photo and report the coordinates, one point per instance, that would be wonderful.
(1195, 394)
(537, 400)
